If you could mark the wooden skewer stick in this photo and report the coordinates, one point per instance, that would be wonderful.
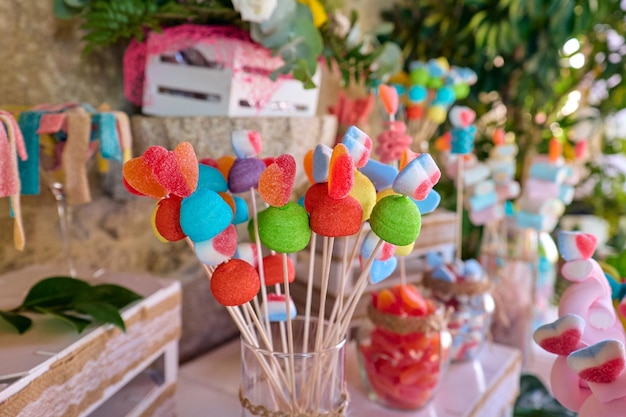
(259, 249)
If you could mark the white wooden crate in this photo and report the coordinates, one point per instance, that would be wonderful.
(53, 371)
(233, 82)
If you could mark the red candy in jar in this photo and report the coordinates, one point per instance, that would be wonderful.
(403, 348)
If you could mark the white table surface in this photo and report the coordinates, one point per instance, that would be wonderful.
(487, 387)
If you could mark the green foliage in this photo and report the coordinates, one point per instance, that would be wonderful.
(516, 49)
(74, 301)
(515, 46)
(535, 400)
(290, 32)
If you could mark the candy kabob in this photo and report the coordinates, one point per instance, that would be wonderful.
(434, 87)
(190, 207)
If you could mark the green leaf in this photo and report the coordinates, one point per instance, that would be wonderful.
(21, 323)
(112, 294)
(102, 312)
(78, 323)
(53, 291)
(63, 11)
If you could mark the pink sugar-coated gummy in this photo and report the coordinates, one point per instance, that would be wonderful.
(226, 241)
(332, 217)
(167, 219)
(605, 373)
(235, 283)
(316, 193)
(246, 143)
(274, 271)
(564, 344)
(177, 170)
(389, 98)
(187, 166)
(138, 175)
(218, 249)
(276, 182)
(340, 172)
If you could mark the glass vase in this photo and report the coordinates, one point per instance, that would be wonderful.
(402, 359)
(470, 306)
(522, 267)
(308, 381)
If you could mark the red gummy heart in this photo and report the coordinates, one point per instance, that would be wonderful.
(605, 373)
(586, 244)
(340, 172)
(564, 344)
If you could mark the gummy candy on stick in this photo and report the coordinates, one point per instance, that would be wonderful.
(395, 219)
(461, 143)
(359, 145)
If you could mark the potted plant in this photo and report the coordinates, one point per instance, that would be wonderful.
(300, 33)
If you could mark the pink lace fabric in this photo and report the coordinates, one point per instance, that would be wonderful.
(231, 47)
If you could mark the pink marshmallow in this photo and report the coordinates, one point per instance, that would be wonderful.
(483, 187)
(461, 116)
(552, 207)
(487, 215)
(247, 251)
(538, 189)
(601, 363)
(246, 143)
(508, 190)
(359, 145)
(418, 177)
(566, 385)
(218, 249)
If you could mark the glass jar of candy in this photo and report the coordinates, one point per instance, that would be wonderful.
(403, 348)
(471, 305)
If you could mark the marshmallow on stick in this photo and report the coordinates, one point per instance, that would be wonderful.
(588, 375)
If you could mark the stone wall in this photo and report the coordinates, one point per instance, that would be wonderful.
(42, 63)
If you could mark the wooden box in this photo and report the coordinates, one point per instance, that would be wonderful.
(53, 371)
(229, 76)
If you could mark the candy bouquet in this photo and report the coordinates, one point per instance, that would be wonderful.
(292, 364)
(428, 92)
(548, 189)
(588, 373)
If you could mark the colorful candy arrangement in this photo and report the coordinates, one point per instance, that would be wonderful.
(548, 189)
(404, 350)
(62, 138)
(429, 91)
(196, 202)
(588, 374)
